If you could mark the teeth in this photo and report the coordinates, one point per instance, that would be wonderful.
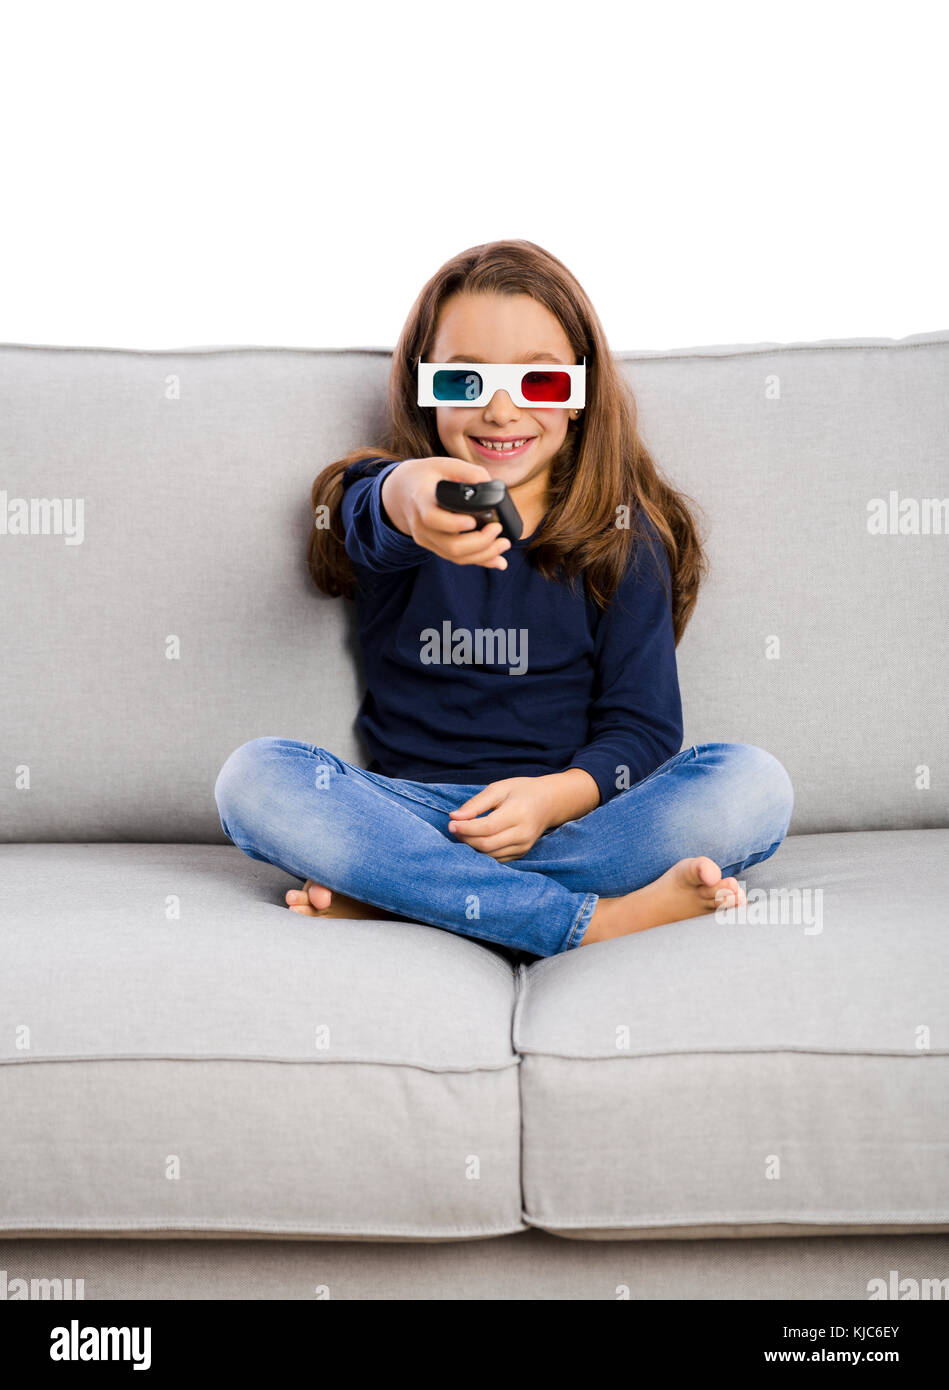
(502, 448)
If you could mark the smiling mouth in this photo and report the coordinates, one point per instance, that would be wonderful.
(498, 449)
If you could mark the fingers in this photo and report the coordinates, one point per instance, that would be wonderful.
(488, 798)
(501, 840)
(491, 835)
(479, 548)
(484, 825)
(503, 851)
(461, 471)
(467, 543)
(461, 541)
(449, 523)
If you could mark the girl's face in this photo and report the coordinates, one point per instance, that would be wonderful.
(501, 328)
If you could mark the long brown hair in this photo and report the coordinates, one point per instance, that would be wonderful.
(602, 466)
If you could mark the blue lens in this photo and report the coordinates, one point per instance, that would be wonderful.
(457, 386)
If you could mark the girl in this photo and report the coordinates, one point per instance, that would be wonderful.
(522, 710)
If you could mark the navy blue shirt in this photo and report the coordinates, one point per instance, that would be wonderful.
(475, 674)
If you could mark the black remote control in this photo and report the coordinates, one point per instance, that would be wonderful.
(486, 502)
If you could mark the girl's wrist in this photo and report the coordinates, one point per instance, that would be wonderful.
(573, 793)
(391, 503)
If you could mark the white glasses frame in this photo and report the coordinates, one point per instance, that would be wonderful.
(506, 376)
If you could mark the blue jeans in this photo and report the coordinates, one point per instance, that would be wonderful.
(385, 840)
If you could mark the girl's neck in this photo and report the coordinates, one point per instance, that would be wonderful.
(531, 502)
(531, 523)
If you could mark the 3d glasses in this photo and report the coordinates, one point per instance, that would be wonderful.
(544, 384)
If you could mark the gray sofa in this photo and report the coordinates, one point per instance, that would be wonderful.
(203, 1094)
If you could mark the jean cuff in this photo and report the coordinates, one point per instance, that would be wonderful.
(581, 922)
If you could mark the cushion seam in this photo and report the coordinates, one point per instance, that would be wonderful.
(640, 355)
(453, 1070)
(627, 1056)
(161, 1224)
(742, 1218)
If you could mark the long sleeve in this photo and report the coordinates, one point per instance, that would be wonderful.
(371, 540)
(635, 718)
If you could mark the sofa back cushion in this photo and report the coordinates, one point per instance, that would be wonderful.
(157, 611)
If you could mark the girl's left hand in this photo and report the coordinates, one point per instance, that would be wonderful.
(522, 812)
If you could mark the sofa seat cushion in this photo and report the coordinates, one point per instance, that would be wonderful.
(783, 1074)
(183, 1054)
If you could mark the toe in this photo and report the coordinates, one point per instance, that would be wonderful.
(734, 887)
(706, 872)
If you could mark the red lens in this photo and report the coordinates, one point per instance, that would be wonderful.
(546, 386)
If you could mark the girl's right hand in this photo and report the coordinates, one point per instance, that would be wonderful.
(408, 496)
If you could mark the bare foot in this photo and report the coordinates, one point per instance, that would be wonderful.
(689, 889)
(315, 900)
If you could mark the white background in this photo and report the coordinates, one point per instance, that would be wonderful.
(187, 174)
